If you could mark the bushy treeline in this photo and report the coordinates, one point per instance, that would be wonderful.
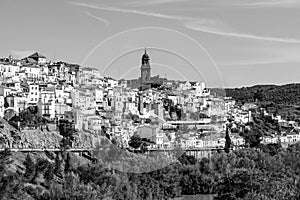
(284, 94)
(30, 117)
(281, 100)
(267, 173)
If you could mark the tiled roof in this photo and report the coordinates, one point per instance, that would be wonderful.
(36, 55)
(31, 66)
(28, 59)
(89, 69)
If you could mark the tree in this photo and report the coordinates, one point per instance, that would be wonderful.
(68, 132)
(239, 184)
(272, 149)
(135, 141)
(258, 95)
(227, 141)
(30, 168)
(30, 117)
(6, 105)
(58, 166)
(49, 173)
(253, 137)
(4, 161)
(11, 183)
(178, 111)
(68, 163)
(148, 121)
(187, 159)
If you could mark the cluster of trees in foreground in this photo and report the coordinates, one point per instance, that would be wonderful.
(266, 173)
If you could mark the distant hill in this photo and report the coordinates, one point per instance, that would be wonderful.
(280, 99)
(284, 94)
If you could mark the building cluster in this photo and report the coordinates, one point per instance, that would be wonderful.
(288, 133)
(91, 102)
(173, 113)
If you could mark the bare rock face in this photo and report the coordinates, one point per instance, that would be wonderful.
(9, 136)
(38, 139)
(13, 138)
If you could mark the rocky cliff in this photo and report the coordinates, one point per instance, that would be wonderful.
(38, 139)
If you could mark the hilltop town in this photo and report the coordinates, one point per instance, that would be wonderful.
(164, 114)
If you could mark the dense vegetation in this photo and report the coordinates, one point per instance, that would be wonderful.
(285, 94)
(283, 100)
(261, 173)
(265, 172)
(30, 117)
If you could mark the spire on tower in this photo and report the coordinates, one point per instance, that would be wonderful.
(145, 57)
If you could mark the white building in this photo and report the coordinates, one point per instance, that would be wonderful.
(48, 103)
(94, 123)
(83, 99)
(185, 86)
(9, 70)
(34, 94)
(5, 91)
(112, 82)
(31, 72)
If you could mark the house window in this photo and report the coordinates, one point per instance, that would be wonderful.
(46, 109)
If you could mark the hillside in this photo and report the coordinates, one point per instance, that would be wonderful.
(283, 94)
(65, 175)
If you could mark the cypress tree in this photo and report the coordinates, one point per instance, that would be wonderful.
(30, 168)
(228, 140)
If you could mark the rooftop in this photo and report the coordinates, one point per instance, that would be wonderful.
(36, 55)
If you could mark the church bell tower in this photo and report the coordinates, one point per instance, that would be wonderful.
(145, 68)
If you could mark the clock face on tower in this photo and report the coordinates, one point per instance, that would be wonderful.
(144, 75)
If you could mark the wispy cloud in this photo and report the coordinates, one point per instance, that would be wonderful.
(106, 22)
(86, 5)
(217, 28)
(197, 24)
(274, 3)
(131, 11)
(154, 2)
(266, 55)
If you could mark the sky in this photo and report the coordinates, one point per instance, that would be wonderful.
(226, 43)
